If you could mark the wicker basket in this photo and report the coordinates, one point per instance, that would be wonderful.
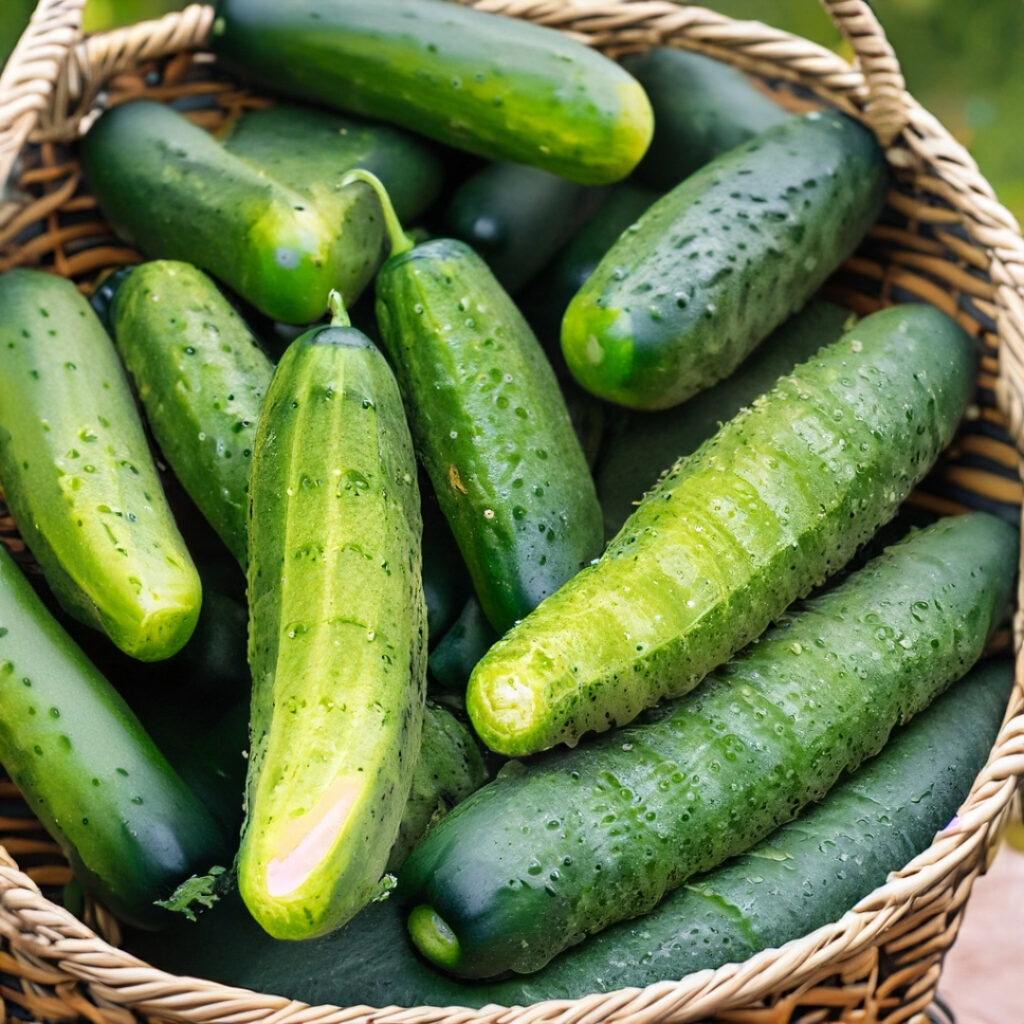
(944, 239)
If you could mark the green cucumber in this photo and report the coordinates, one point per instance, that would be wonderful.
(130, 827)
(497, 87)
(310, 150)
(805, 874)
(336, 634)
(490, 424)
(702, 107)
(172, 190)
(516, 217)
(78, 475)
(575, 841)
(446, 584)
(780, 498)
(449, 767)
(643, 445)
(201, 376)
(725, 257)
(456, 654)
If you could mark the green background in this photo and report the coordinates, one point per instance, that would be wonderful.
(963, 60)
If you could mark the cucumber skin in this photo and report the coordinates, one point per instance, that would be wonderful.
(78, 474)
(490, 425)
(516, 217)
(702, 107)
(703, 779)
(779, 499)
(169, 188)
(644, 445)
(840, 849)
(334, 566)
(497, 87)
(130, 827)
(201, 376)
(722, 259)
(312, 150)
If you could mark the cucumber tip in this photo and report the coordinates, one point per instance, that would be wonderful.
(433, 937)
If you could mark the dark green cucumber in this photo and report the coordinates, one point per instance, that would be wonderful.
(805, 874)
(642, 445)
(780, 498)
(560, 849)
(446, 584)
(516, 217)
(337, 638)
(490, 424)
(172, 190)
(568, 272)
(702, 107)
(201, 376)
(501, 88)
(130, 827)
(456, 654)
(725, 257)
(311, 150)
(78, 474)
(449, 767)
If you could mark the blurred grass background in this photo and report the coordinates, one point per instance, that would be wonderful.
(963, 61)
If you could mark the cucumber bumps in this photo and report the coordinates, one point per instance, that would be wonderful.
(78, 474)
(336, 634)
(722, 259)
(781, 497)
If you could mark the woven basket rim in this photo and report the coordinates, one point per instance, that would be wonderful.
(917, 141)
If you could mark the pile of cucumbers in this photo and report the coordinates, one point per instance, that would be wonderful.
(592, 481)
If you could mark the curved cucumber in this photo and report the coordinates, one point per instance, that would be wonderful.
(725, 257)
(805, 874)
(491, 426)
(643, 445)
(780, 498)
(130, 827)
(311, 150)
(516, 217)
(78, 474)
(702, 107)
(336, 634)
(173, 191)
(578, 840)
(501, 88)
(201, 376)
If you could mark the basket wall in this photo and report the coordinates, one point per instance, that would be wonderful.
(936, 242)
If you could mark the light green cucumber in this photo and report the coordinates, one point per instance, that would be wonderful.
(337, 634)
(776, 501)
(78, 475)
(201, 376)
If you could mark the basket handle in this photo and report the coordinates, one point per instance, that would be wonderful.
(887, 110)
(27, 82)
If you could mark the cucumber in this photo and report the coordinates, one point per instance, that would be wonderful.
(557, 850)
(702, 107)
(173, 191)
(456, 654)
(78, 475)
(490, 424)
(448, 769)
(643, 445)
(310, 150)
(497, 87)
(446, 584)
(129, 826)
(516, 217)
(780, 498)
(201, 376)
(725, 257)
(803, 875)
(336, 634)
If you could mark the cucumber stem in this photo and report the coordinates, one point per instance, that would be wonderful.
(400, 241)
(336, 305)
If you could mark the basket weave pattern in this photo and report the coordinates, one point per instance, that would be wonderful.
(944, 239)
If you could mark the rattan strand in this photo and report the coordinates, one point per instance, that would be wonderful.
(916, 914)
